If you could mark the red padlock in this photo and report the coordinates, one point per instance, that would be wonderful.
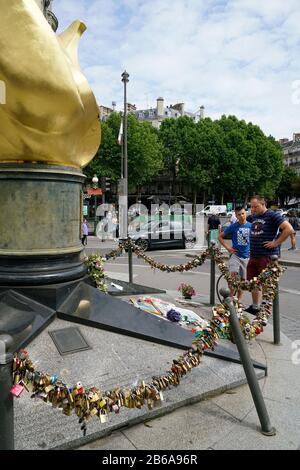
(17, 389)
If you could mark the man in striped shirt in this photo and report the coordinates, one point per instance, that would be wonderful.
(263, 242)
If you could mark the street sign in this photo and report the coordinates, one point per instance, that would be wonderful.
(94, 192)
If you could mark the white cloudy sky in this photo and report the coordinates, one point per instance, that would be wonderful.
(232, 56)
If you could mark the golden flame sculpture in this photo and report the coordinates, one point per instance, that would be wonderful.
(50, 114)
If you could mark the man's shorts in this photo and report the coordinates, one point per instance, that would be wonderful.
(238, 265)
(256, 265)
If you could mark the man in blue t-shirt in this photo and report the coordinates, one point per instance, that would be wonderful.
(264, 242)
(240, 249)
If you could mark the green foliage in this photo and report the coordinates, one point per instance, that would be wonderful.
(144, 151)
(224, 157)
(251, 162)
(289, 185)
(227, 157)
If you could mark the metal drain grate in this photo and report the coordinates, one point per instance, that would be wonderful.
(69, 340)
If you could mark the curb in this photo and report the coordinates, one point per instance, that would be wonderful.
(284, 262)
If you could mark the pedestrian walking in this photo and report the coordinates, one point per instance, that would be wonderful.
(85, 232)
(240, 249)
(293, 220)
(268, 231)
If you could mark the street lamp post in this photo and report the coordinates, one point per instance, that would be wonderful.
(125, 80)
(95, 180)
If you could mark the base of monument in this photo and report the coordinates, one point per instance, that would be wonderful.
(41, 270)
(22, 318)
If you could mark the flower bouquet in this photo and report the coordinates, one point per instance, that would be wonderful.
(186, 290)
(94, 264)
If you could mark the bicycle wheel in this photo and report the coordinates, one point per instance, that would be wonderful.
(221, 284)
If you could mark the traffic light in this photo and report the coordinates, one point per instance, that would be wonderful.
(105, 184)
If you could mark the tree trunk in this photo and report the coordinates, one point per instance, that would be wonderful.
(222, 199)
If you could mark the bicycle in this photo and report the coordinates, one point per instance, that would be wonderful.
(221, 284)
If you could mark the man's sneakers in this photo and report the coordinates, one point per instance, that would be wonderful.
(252, 310)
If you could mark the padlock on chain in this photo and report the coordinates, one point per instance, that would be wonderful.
(17, 389)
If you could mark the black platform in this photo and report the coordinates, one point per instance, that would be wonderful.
(91, 307)
(22, 318)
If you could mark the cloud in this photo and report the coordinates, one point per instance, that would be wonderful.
(233, 56)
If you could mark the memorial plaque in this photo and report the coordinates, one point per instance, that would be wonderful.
(69, 340)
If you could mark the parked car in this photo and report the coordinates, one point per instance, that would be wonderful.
(282, 212)
(163, 234)
(214, 209)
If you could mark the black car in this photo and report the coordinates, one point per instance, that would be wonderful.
(163, 234)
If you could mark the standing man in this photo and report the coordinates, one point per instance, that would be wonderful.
(266, 224)
(213, 228)
(293, 220)
(240, 249)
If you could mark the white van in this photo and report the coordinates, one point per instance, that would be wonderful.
(217, 210)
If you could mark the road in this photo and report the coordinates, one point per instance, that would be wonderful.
(200, 279)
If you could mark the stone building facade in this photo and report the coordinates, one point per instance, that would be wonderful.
(160, 112)
(291, 152)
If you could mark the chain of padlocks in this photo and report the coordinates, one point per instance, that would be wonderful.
(268, 278)
(87, 403)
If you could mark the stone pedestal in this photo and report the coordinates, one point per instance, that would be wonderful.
(40, 224)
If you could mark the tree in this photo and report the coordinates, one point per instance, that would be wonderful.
(251, 162)
(236, 163)
(107, 161)
(289, 185)
(144, 152)
(177, 136)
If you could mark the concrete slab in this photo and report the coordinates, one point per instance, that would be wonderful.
(114, 360)
(247, 435)
(238, 402)
(196, 429)
(116, 441)
(285, 386)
